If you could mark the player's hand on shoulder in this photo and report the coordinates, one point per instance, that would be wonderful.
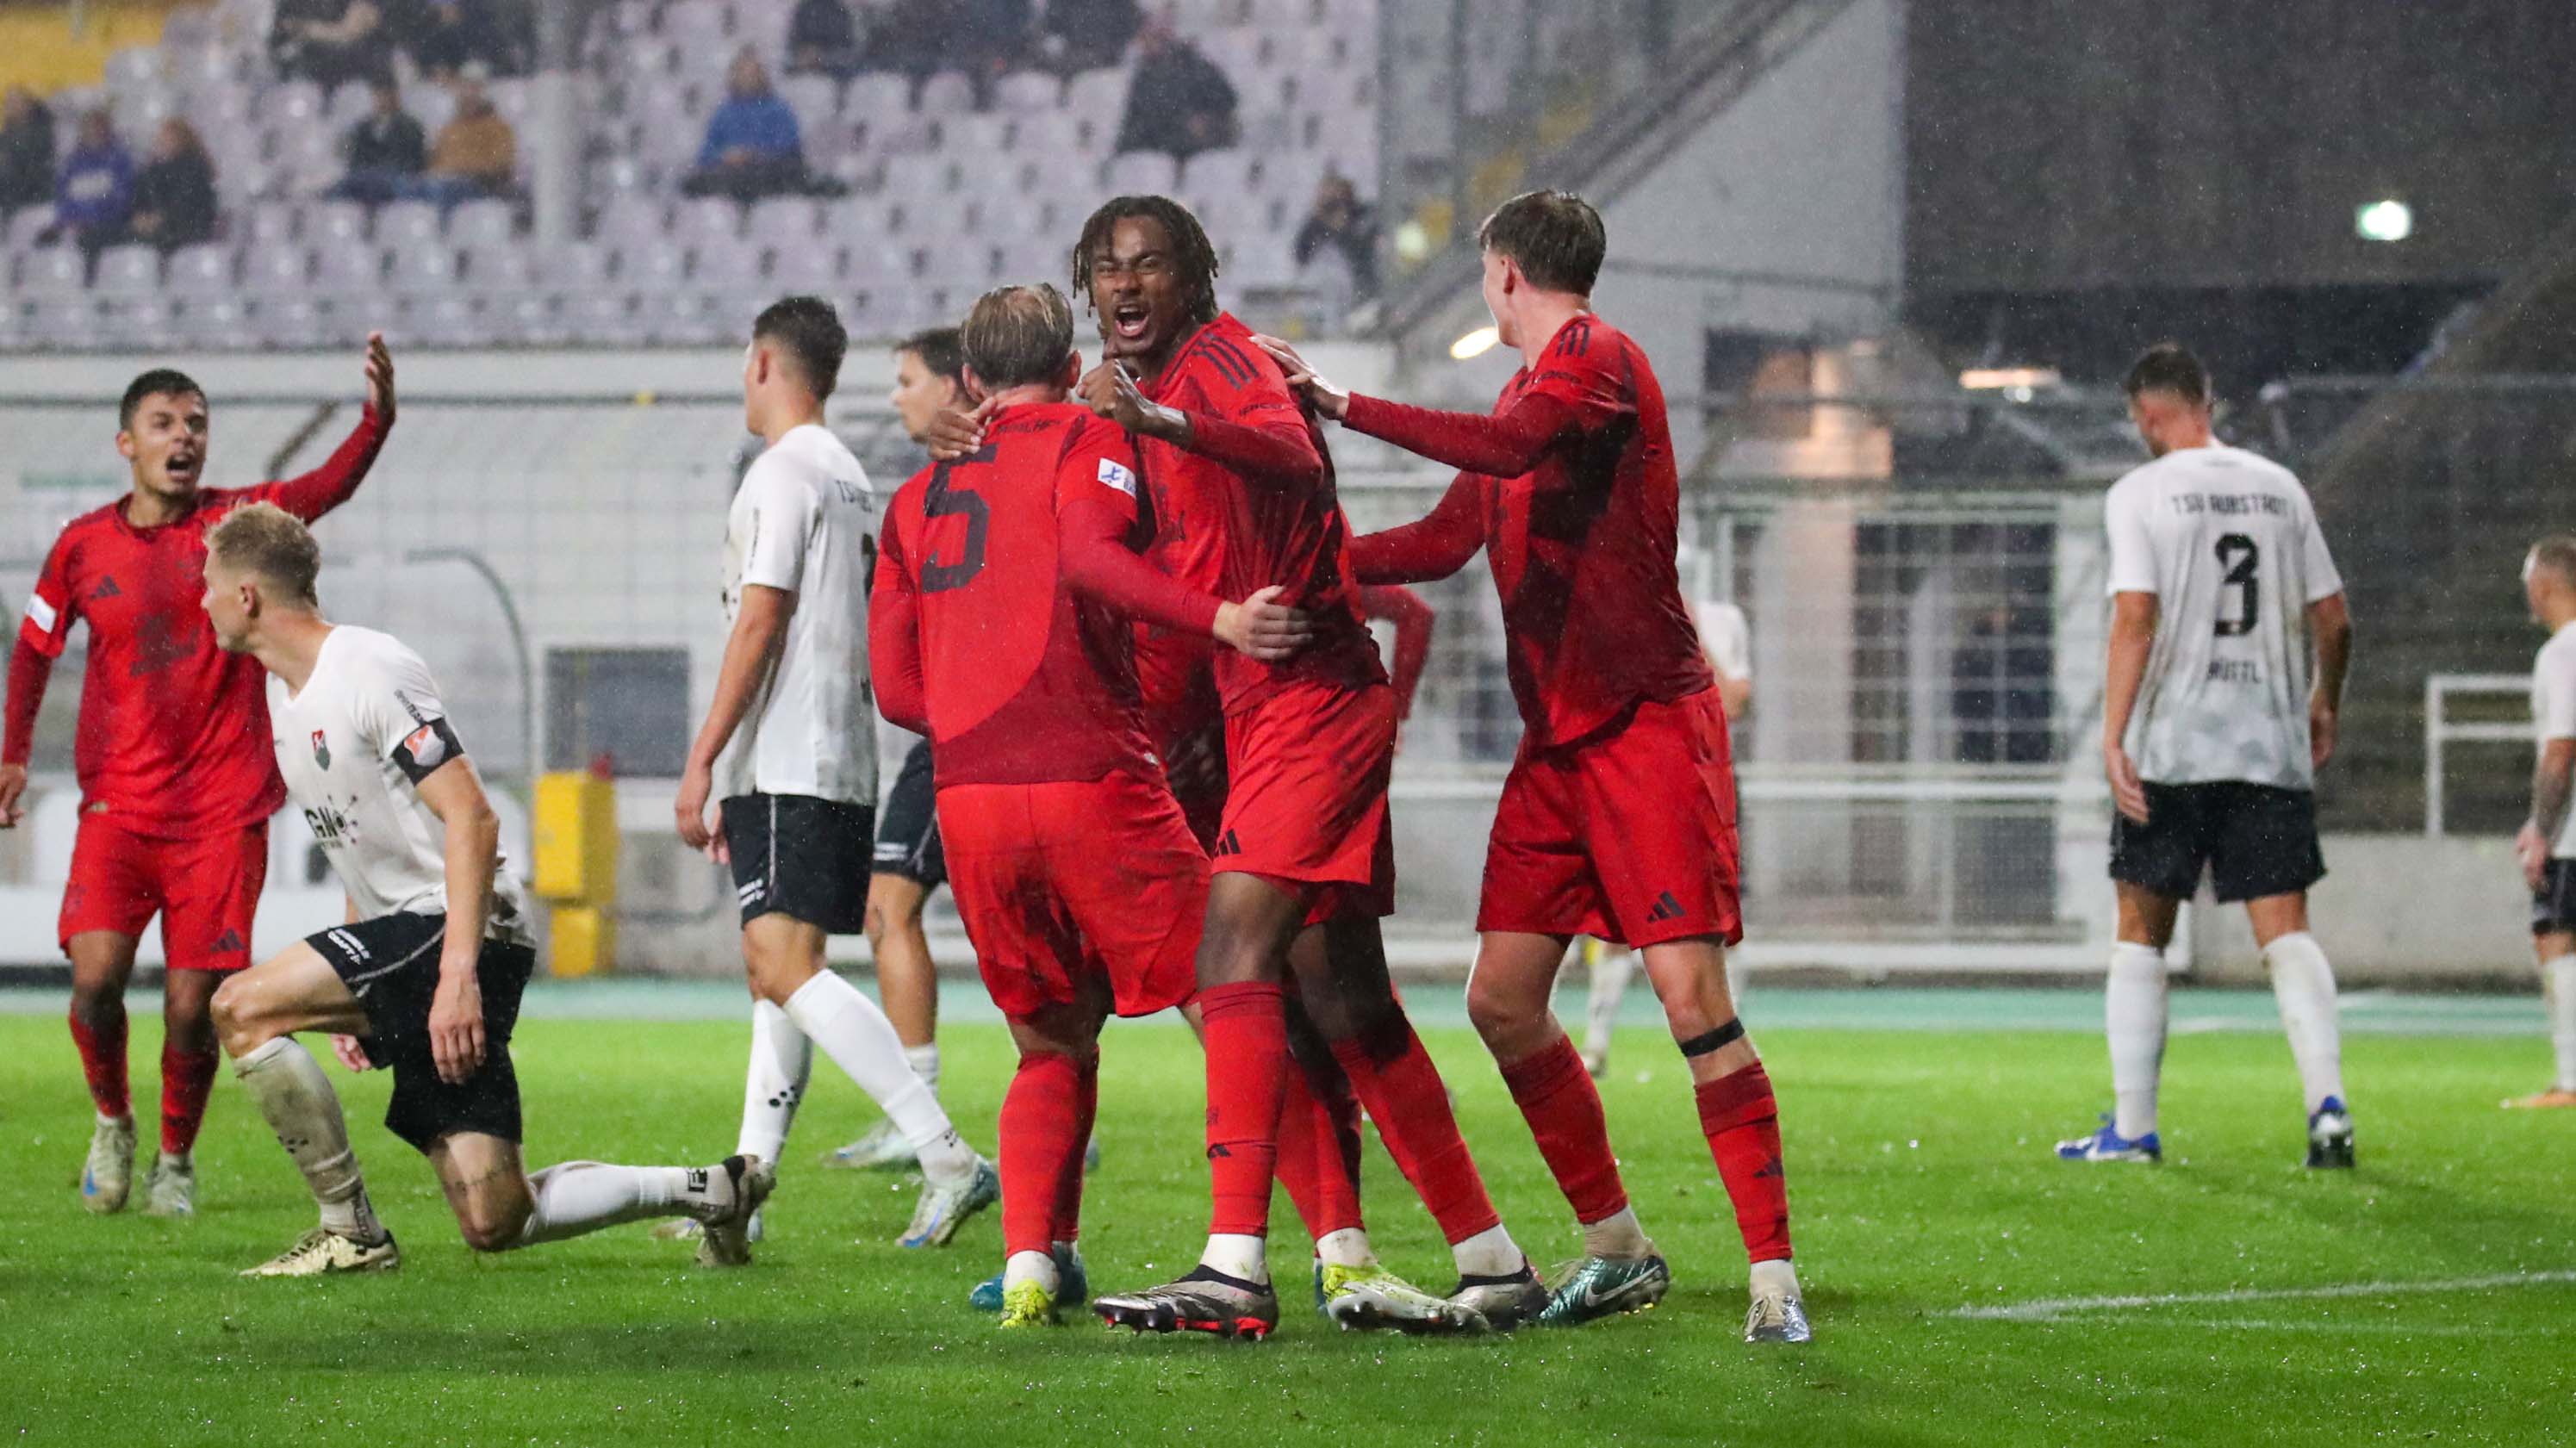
(13, 788)
(1304, 380)
(352, 1053)
(380, 376)
(456, 1025)
(2128, 793)
(955, 432)
(1261, 627)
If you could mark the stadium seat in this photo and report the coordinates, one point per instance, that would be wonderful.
(1028, 93)
(482, 223)
(448, 320)
(501, 267)
(856, 219)
(1211, 172)
(1008, 218)
(514, 98)
(277, 270)
(816, 99)
(424, 270)
(876, 97)
(295, 102)
(270, 223)
(346, 103)
(409, 223)
(728, 264)
(289, 321)
(134, 68)
(808, 265)
(128, 271)
(334, 223)
(703, 219)
(1132, 172)
(200, 271)
(659, 265)
(947, 93)
(935, 221)
(1098, 96)
(877, 263)
(604, 315)
(53, 272)
(960, 264)
(26, 222)
(576, 266)
(632, 220)
(972, 137)
(682, 316)
(1053, 135)
(784, 220)
(213, 319)
(431, 105)
(911, 178)
(698, 25)
(350, 269)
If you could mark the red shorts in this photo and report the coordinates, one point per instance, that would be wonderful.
(1305, 797)
(1627, 834)
(1176, 678)
(1063, 885)
(206, 890)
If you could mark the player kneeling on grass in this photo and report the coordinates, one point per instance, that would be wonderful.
(1000, 628)
(426, 975)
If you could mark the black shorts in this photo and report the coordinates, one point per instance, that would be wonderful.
(2255, 840)
(908, 825)
(801, 857)
(391, 965)
(2553, 905)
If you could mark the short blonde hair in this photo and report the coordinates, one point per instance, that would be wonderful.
(271, 544)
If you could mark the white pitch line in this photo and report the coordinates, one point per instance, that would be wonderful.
(2048, 1309)
(2394, 1329)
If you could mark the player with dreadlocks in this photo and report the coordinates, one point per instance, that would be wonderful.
(1242, 498)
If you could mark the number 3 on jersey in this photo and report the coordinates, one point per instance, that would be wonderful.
(942, 501)
(2241, 558)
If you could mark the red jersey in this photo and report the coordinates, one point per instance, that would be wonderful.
(1413, 619)
(174, 739)
(1569, 488)
(1251, 504)
(973, 627)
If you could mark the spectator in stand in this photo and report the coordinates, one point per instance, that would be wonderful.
(823, 37)
(328, 40)
(1085, 35)
(912, 37)
(752, 147)
(1343, 226)
(385, 150)
(26, 151)
(477, 153)
(991, 37)
(1178, 100)
(174, 194)
(94, 195)
(451, 37)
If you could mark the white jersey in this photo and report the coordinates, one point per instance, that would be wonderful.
(2553, 713)
(2229, 545)
(352, 744)
(1726, 638)
(805, 521)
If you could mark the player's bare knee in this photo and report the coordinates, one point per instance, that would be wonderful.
(235, 1010)
(1500, 1013)
(493, 1226)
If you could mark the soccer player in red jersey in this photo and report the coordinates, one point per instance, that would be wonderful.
(176, 772)
(1618, 817)
(1414, 620)
(1242, 498)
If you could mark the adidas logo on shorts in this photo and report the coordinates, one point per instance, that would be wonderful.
(1666, 908)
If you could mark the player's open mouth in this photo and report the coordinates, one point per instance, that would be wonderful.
(182, 470)
(1129, 319)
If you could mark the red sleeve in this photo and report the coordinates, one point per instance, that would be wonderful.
(1092, 550)
(1413, 620)
(29, 668)
(315, 493)
(1279, 451)
(894, 636)
(1433, 547)
(1574, 391)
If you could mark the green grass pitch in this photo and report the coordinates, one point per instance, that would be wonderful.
(1918, 1167)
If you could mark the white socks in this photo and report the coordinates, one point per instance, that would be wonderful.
(1243, 1258)
(2133, 1013)
(574, 1197)
(2305, 987)
(782, 1057)
(300, 1106)
(2558, 989)
(924, 1061)
(1037, 1267)
(1611, 972)
(1489, 1253)
(1617, 1236)
(1348, 1247)
(839, 1017)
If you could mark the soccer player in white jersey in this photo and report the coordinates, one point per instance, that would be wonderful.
(425, 977)
(792, 736)
(1727, 640)
(2547, 844)
(2215, 719)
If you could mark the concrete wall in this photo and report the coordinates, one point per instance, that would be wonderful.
(2395, 909)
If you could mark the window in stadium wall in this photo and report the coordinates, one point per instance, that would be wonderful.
(630, 705)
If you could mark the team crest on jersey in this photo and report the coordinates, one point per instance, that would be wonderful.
(1117, 476)
(321, 750)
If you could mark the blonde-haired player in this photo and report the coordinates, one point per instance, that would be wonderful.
(2547, 844)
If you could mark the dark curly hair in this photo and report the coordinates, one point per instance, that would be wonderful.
(1194, 254)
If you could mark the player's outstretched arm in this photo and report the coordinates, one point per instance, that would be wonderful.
(1434, 546)
(313, 494)
(1278, 451)
(1092, 550)
(472, 850)
(1567, 399)
(2133, 634)
(759, 628)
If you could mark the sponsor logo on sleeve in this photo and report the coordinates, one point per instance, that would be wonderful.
(427, 749)
(1118, 476)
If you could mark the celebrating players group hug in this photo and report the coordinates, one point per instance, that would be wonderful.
(1123, 608)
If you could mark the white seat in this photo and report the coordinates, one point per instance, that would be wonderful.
(1141, 172)
(272, 223)
(972, 137)
(632, 220)
(876, 97)
(128, 271)
(277, 271)
(853, 220)
(726, 264)
(298, 102)
(698, 25)
(486, 222)
(1054, 136)
(408, 223)
(914, 178)
(26, 222)
(54, 271)
(816, 99)
(784, 220)
(1098, 96)
(707, 218)
(1010, 218)
(200, 271)
(450, 319)
(936, 222)
(961, 261)
(501, 267)
(579, 264)
(350, 270)
(878, 262)
(1028, 93)
(1210, 172)
(134, 67)
(809, 265)
(334, 223)
(947, 93)
(295, 320)
(653, 266)
(604, 315)
(427, 269)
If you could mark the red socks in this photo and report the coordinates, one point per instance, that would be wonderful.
(1086, 1110)
(1247, 1073)
(1040, 1112)
(1743, 1125)
(1320, 1179)
(102, 1053)
(1556, 1096)
(187, 1077)
(1406, 1099)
